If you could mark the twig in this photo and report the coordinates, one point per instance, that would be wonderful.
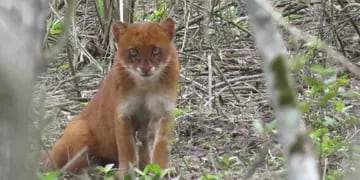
(210, 79)
(224, 78)
(76, 157)
(353, 23)
(186, 17)
(72, 71)
(72, 78)
(195, 83)
(242, 78)
(201, 17)
(259, 160)
(325, 169)
(249, 34)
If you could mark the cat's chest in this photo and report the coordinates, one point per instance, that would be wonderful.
(144, 106)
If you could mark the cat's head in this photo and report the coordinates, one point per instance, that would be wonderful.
(144, 48)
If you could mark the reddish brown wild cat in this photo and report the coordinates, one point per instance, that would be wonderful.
(136, 97)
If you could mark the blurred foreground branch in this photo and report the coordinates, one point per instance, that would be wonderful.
(292, 131)
(22, 27)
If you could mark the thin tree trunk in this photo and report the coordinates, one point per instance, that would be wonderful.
(292, 131)
(22, 25)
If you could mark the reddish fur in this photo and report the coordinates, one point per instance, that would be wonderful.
(101, 128)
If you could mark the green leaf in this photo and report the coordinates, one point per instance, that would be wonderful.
(271, 125)
(319, 132)
(351, 121)
(84, 103)
(56, 27)
(101, 169)
(314, 43)
(108, 168)
(304, 106)
(342, 80)
(339, 106)
(53, 175)
(167, 171)
(209, 177)
(177, 112)
(242, 25)
(325, 98)
(100, 8)
(314, 83)
(321, 70)
(65, 66)
(53, 69)
(155, 168)
(297, 62)
(293, 17)
(225, 160)
(328, 121)
(141, 173)
(109, 178)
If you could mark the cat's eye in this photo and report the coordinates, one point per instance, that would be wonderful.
(133, 52)
(156, 50)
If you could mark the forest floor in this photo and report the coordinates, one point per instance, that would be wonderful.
(222, 98)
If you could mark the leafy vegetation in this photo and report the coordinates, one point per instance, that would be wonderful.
(49, 175)
(55, 26)
(157, 14)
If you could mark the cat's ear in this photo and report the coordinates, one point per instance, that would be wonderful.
(169, 25)
(118, 29)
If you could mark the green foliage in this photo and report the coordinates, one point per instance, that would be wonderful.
(261, 127)
(53, 175)
(64, 66)
(325, 93)
(179, 112)
(326, 143)
(292, 17)
(157, 14)
(303, 106)
(84, 103)
(297, 62)
(55, 26)
(321, 70)
(100, 8)
(326, 90)
(153, 172)
(108, 172)
(339, 106)
(313, 44)
(210, 177)
(335, 174)
(230, 14)
(229, 162)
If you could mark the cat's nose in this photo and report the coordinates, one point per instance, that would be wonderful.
(146, 71)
